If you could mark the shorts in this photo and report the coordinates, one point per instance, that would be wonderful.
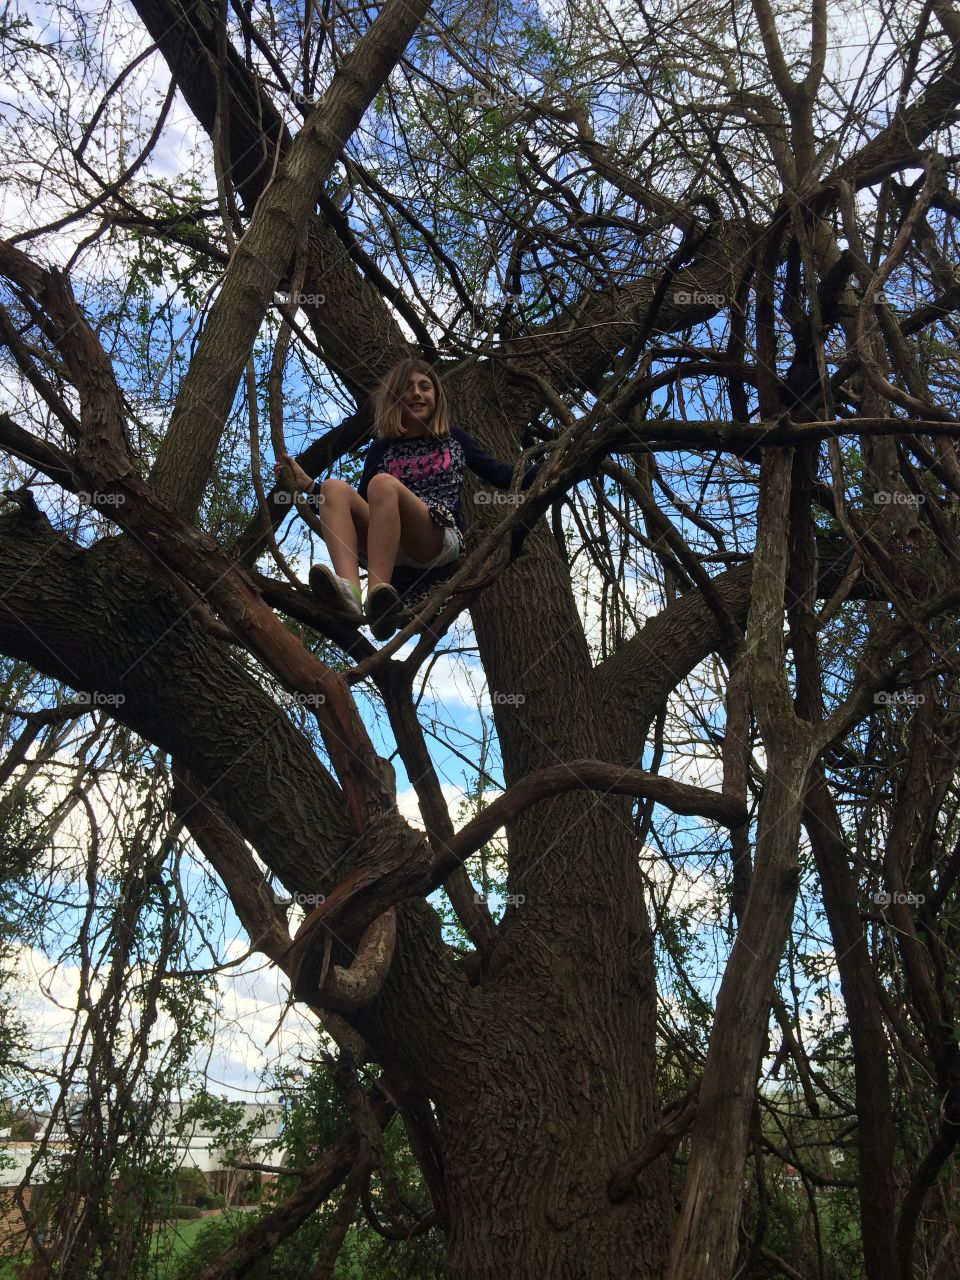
(450, 549)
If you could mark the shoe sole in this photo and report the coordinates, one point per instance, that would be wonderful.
(383, 614)
(325, 589)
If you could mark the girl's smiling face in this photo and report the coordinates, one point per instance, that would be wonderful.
(419, 401)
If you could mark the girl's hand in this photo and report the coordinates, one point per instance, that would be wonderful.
(290, 470)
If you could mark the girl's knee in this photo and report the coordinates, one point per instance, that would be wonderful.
(382, 485)
(334, 489)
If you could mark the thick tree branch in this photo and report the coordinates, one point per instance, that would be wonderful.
(705, 1241)
(37, 453)
(58, 603)
(355, 329)
(676, 1121)
(587, 775)
(206, 393)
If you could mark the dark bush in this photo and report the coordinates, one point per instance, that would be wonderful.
(191, 1184)
(187, 1211)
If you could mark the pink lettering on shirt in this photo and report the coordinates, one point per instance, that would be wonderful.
(421, 466)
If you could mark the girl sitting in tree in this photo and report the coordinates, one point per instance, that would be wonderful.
(405, 520)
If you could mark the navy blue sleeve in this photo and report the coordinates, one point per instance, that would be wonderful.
(499, 474)
(371, 464)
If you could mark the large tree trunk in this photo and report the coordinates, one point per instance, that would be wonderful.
(564, 1071)
(544, 1081)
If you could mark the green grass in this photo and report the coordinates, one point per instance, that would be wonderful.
(171, 1241)
(175, 1238)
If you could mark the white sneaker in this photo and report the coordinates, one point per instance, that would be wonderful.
(336, 593)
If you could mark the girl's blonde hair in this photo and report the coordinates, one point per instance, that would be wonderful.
(388, 405)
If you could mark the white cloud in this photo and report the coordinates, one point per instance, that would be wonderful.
(408, 805)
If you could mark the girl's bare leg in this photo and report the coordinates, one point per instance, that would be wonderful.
(397, 518)
(344, 517)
